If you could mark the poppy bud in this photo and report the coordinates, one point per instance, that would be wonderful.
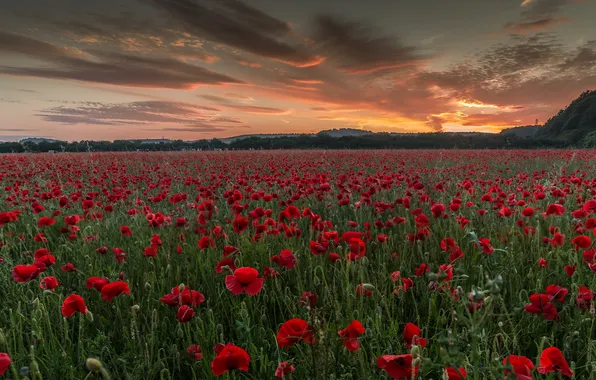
(135, 308)
(89, 316)
(415, 352)
(93, 365)
(147, 286)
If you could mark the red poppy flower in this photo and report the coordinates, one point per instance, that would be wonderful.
(557, 240)
(584, 298)
(72, 304)
(125, 231)
(554, 209)
(294, 331)
(72, 220)
(283, 369)
(581, 241)
(542, 263)
(456, 373)
(557, 292)
(309, 299)
(286, 259)
(229, 262)
(349, 336)
(191, 297)
(540, 304)
(185, 313)
(150, 251)
(245, 279)
(357, 249)
(24, 273)
(228, 358)
(113, 289)
(229, 250)
(520, 366)
(4, 362)
(206, 242)
(397, 366)
(570, 270)
(333, 257)
(119, 254)
(96, 282)
(187, 297)
(527, 212)
(45, 221)
(69, 267)
(552, 360)
(240, 224)
(49, 283)
(485, 246)
(421, 270)
(361, 290)
(318, 248)
(412, 336)
(194, 351)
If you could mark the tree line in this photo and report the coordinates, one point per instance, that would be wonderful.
(320, 141)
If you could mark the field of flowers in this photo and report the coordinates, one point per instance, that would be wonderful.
(298, 265)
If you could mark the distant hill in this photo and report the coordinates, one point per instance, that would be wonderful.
(37, 140)
(574, 125)
(524, 131)
(343, 132)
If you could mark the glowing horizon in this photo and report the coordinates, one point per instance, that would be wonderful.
(194, 69)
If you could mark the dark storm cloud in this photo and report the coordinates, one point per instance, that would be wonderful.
(359, 48)
(104, 67)
(237, 25)
(135, 113)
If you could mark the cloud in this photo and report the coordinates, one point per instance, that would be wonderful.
(260, 110)
(513, 83)
(106, 67)
(238, 25)
(540, 9)
(358, 48)
(538, 15)
(8, 100)
(532, 26)
(136, 113)
(128, 33)
(231, 103)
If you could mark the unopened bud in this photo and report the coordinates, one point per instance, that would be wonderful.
(93, 365)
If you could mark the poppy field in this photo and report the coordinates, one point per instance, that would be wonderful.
(298, 265)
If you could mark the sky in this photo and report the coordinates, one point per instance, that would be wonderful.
(197, 69)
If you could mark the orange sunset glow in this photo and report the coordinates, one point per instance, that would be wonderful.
(197, 69)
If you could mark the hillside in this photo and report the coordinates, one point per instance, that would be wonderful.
(524, 131)
(574, 125)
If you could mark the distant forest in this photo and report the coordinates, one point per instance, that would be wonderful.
(572, 127)
(322, 141)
